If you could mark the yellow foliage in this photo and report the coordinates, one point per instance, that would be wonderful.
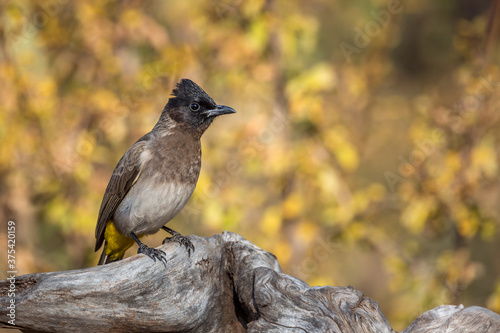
(485, 158)
(376, 191)
(322, 281)
(494, 299)
(46, 88)
(212, 214)
(283, 251)
(356, 231)
(131, 18)
(415, 215)
(293, 206)
(324, 143)
(397, 267)
(453, 163)
(468, 224)
(306, 232)
(489, 229)
(319, 78)
(345, 152)
(271, 222)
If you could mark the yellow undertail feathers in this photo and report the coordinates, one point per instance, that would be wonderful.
(116, 243)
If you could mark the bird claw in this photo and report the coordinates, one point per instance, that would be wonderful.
(182, 240)
(153, 253)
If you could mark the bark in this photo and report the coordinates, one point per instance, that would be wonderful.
(227, 285)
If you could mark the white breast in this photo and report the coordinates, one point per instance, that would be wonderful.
(150, 205)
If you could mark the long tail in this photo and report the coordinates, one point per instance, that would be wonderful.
(105, 259)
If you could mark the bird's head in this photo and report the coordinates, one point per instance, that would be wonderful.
(192, 108)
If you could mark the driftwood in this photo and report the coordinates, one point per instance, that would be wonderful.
(227, 285)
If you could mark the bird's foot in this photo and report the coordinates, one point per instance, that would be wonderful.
(153, 253)
(182, 240)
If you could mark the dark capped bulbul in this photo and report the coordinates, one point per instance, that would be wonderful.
(155, 177)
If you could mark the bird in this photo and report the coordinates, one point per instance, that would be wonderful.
(156, 176)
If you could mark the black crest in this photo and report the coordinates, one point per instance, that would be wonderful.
(187, 90)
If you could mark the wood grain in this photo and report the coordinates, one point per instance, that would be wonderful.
(227, 285)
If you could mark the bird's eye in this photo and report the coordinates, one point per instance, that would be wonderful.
(194, 106)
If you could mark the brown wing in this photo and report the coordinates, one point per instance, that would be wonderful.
(122, 179)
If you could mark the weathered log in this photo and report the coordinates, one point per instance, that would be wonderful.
(227, 285)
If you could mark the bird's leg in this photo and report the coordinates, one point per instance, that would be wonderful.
(150, 252)
(177, 237)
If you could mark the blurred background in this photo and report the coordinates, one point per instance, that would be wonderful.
(365, 150)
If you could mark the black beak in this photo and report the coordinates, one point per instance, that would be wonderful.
(220, 110)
